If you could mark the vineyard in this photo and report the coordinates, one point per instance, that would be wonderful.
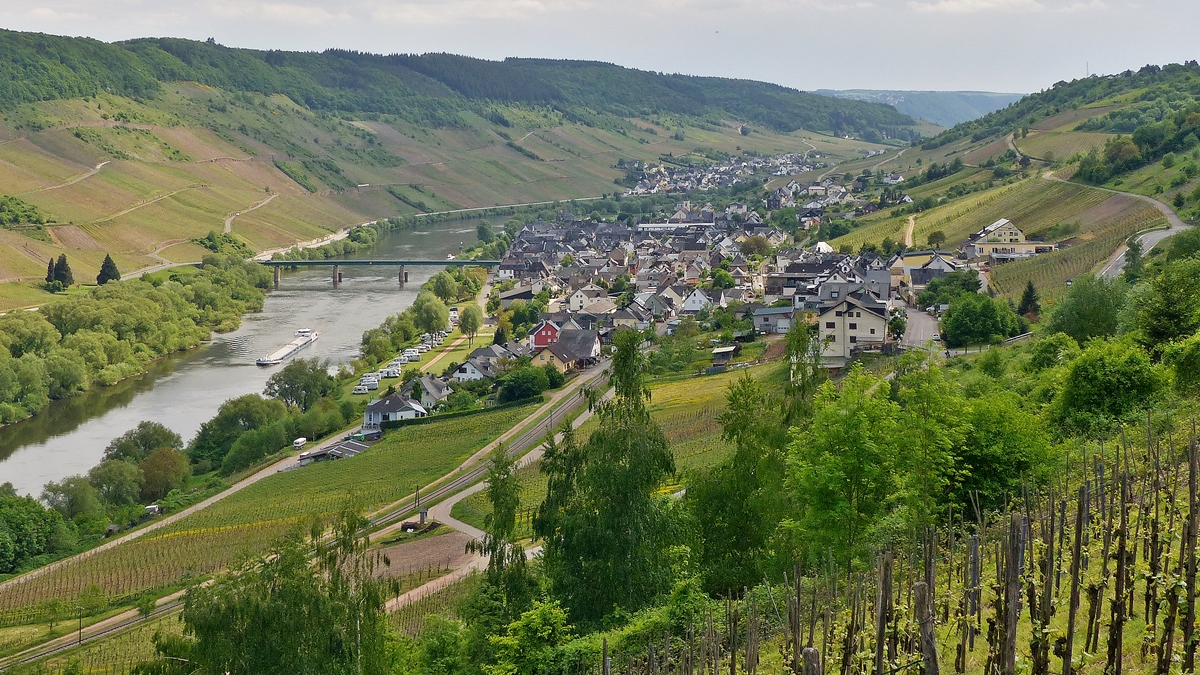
(116, 655)
(249, 521)
(410, 620)
(1061, 145)
(1050, 272)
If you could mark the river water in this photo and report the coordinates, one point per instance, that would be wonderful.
(185, 390)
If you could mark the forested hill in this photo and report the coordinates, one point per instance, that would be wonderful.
(1150, 84)
(428, 89)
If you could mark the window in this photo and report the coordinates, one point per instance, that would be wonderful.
(853, 326)
(853, 339)
(858, 314)
(837, 313)
(833, 294)
(830, 325)
(872, 331)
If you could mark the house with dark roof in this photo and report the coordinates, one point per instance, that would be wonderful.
(428, 390)
(852, 323)
(395, 406)
(574, 349)
(474, 369)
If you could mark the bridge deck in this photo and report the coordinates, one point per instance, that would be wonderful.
(391, 263)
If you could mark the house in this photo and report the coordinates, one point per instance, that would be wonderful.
(585, 296)
(851, 324)
(427, 390)
(525, 293)
(391, 407)
(474, 369)
(574, 349)
(543, 335)
(492, 354)
(773, 319)
(1003, 241)
(696, 301)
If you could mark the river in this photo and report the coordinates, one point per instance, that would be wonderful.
(185, 390)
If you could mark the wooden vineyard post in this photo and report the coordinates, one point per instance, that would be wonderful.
(1012, 596)
(1189, 614)
(883, 609)
(1116, 629)
(812, 661)
(1076, 555)
(923, 610)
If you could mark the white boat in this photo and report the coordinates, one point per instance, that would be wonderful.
(307, 336)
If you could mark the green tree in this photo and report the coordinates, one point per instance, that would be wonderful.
(607, 533)
(470, 320)
(1184, 245)
(842, 468)
(755, 245)
(1053, 350)
(119, 482)
(1134, 261)
(432, 314)
(554, 378)
(530, 645)
(301, 383)
(942, 291)
(897, 326)
(803, 353)
(50, 271)
(1091, 308)
(1109, 383)
(1030, 305)
(722, 279)
(1005, 444)
(108, 271)
(738, 504)
(134, 445)
(444, 286)
(484, 232)
(522, 383)
(163, 470)
(1168, 308)
(506, 570)
(73, 497)
(936, 239)
(235, 417)
(62, 271)
(976, 318)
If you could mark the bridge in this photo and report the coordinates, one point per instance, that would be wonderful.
(402, 276)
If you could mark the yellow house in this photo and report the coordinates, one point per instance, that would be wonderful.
(1003, 240)
(547, 356)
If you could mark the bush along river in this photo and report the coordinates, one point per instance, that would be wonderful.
(184, 390)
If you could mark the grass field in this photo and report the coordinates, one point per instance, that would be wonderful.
(1060, 145)
(246, 523)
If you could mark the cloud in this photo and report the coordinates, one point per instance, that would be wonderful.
(278, 12)
(457, 11)
(51, 14)
(975, 6)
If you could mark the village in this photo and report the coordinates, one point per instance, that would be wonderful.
(564, 287)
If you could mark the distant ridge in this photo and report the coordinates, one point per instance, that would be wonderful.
(427, 89)
(944, 108)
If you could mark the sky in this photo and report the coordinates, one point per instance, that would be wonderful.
(987, 45)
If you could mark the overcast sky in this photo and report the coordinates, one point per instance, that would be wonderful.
(993, 45)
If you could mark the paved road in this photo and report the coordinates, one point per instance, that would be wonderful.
(921, 328)
(259, 205)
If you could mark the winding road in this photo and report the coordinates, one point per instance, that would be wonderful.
(259, 205)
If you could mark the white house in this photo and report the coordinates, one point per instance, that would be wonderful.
(584, 297)
(851, 324)
(392, 407)
(474, 369)
(696, 301)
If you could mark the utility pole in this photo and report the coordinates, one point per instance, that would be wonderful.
(79, 610)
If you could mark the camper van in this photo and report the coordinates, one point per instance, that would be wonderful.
(299, 443)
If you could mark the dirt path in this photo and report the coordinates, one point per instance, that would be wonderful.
(229, 220)
(889, 159)
(908, 233)
(1116, 263)
(148, 202)
(92, 172)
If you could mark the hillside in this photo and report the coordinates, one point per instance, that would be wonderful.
(135, 149)
(945, 108)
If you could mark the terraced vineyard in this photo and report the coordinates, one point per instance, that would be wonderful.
(1061, 145)
(249, 521)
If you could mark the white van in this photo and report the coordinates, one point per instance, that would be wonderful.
(372, 385)
(391, 372)
(359, 389)
(299, 443)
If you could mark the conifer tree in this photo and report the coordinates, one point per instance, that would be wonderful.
(1030, 303)
(62, 271)
(108, 271)
(50, 271)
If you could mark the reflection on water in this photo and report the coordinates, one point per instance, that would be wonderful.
(185, 390)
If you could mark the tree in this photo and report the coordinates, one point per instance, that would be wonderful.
(842, 468)
(108, 271)
(32, 529)
(1184, 245)
(164, 470)
(942, 291)
(484, 232)
(976, 319)
(50, 271)
(119, 482)
(897, 326)
(722, 279)
(62, 271)
(804, 351)
(1052, 351)
(432, 314)
(444, 286)
(1091, 308)
(283, 615)
(530, 645)
(301, 383)
(235, 417)
(1183, 357)
(73, 497)
(134, 445)
(1168, 308)
(1029, 306)
(936, 239)
(755, 245)
(606, 532)
(1134, 262)
(506, 570)
(523, 383)
(1110, 382)
(470, 320)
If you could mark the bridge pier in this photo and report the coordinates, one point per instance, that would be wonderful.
(276, 277)
(403, 276)
(337, 275)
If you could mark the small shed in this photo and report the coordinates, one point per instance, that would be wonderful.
(721, 356)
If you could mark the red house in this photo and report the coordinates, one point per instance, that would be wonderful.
(543, 335)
